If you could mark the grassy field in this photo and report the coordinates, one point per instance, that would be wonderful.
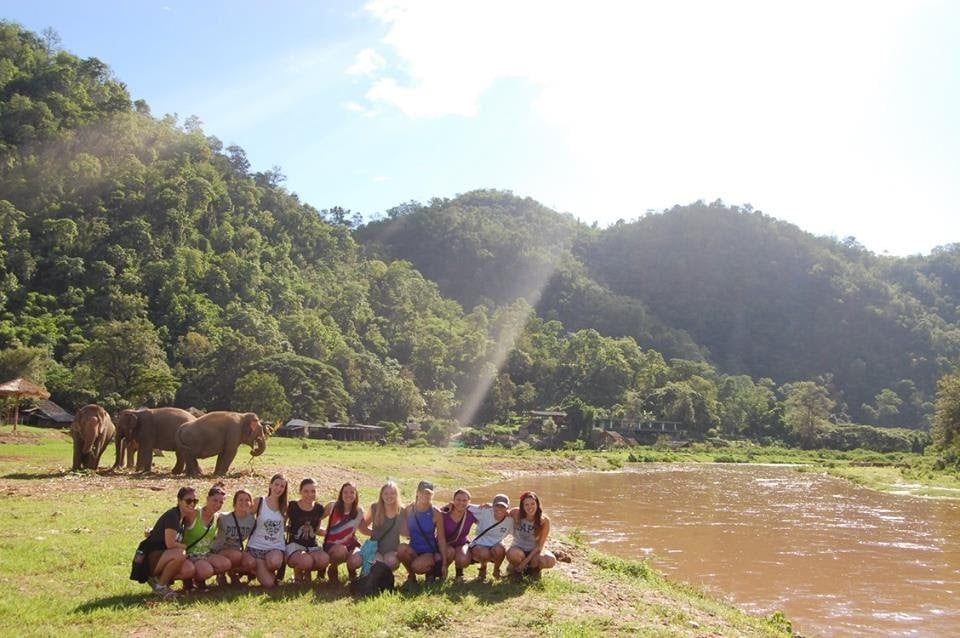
(68, 539)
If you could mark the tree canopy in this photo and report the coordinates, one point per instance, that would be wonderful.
(142, 263)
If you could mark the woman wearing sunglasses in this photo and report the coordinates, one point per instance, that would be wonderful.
(169, 561)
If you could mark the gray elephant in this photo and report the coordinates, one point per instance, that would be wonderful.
(126, 442)
(92, 431)
(149, 430)
(220, 434)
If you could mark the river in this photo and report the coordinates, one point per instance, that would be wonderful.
(838, 559)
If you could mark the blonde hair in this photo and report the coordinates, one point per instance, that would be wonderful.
(379, 508)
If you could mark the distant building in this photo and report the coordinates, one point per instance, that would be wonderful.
(46, 414)
(331, 431)
(645, 432)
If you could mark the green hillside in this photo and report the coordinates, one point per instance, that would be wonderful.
(752, 294)
(769, 300)
(142, 262)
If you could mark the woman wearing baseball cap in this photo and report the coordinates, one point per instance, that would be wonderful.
(494, 523)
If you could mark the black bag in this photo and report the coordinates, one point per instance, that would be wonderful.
(378, 580)
(140, 569)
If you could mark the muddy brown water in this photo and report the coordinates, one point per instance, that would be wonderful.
(838, 559)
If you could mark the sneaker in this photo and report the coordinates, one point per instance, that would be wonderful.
(164, 592)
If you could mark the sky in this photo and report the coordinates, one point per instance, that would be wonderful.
(839, 116)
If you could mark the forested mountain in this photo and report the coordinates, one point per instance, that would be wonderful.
(142, 262)
(752, 294)
(769, 300)
(490, 248)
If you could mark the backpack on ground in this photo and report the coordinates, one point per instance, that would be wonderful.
(378, 580)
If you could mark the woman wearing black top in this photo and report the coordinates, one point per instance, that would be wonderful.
(168, 560)
(304, 554)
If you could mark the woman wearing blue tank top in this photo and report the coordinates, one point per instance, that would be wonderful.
(423, 525)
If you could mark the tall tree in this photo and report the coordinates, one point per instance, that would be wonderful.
(262, 393)
(946, 419)
(806, 409)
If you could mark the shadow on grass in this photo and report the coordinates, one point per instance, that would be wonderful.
(125, 601)
(483, 593)
(229, 593)
(33, 476)
(126, 474)
(487, 593)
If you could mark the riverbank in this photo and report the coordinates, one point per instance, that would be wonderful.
(66, 557)
(902, 473)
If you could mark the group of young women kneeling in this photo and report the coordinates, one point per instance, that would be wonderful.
(265, 534)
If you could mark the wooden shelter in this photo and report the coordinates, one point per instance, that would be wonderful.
(17, 389)
(47, 414)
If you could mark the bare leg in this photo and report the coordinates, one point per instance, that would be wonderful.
(338, 554)
(169, 565)
(497, 554)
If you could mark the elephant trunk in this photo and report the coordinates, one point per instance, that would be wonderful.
(259, 446)
(88, 433)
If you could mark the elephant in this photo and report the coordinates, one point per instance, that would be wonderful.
(125, 440)
(92, 431)
(220, 434)
(149, 430)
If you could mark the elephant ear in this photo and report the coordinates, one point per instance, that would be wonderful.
(250, 421)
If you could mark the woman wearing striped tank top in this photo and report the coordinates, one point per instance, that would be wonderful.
(340, 541)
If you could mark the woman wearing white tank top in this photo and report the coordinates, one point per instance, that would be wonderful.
(267, 543)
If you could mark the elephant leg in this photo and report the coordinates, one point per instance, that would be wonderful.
(144, 457)
(224, 460)
(131, 452)
(96, 456)
(178, 465)
(193, 466)
(120, 445)
(77, 455)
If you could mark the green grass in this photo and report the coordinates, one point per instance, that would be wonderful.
(68, 539)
